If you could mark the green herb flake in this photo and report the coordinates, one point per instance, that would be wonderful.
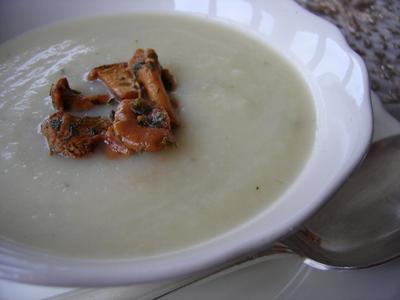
(137, 66)
(141, 107)
(142, 120)
(72, 131)
(51, 90)
(151, 66)
(76, 92)
(112, 115)
(142, 149)
(93, 131)
(171, 144)
(55, 124)
(112, 101)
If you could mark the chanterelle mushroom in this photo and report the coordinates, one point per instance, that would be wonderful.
(118, 78)
(72, 136)
(64, 98)
(127, 133)
(147, 70)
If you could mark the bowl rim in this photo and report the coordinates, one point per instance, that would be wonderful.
(59, 271)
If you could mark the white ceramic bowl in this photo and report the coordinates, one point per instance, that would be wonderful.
(337, 78)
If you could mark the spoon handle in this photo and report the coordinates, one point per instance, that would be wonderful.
(384, 124)
(307, 245)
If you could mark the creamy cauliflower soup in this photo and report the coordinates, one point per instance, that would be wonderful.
(247, 128)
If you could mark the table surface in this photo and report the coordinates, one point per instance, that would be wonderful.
(372, 29)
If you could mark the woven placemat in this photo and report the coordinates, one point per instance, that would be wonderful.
(372, 28)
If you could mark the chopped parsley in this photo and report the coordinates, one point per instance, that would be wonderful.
(55, 124)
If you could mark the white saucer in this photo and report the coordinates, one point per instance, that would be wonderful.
(280, 277)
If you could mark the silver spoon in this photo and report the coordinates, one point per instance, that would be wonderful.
(360, 225)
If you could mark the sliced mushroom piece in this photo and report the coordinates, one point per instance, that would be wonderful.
(126, 130)
(118, 78)
(64, 98)
(147, 70)
(114, 143)
(72, 136)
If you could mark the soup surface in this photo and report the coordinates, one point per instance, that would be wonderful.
(248, 128)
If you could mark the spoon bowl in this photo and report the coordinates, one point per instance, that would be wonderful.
(360, 225)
